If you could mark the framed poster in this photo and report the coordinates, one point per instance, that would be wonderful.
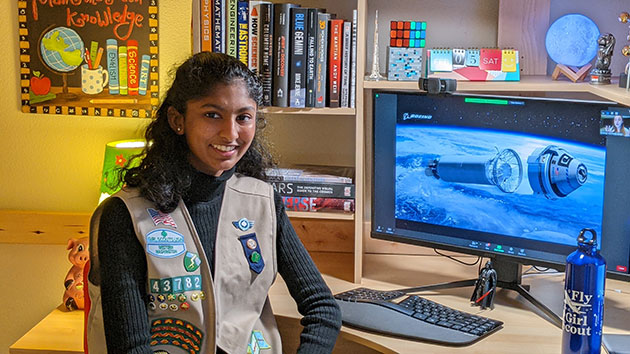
(89, 57)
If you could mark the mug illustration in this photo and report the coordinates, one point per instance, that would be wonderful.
(93, 80)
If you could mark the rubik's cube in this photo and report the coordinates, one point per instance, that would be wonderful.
(407, 34)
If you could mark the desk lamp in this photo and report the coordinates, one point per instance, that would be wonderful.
(117, 153)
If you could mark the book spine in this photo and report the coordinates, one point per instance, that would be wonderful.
(195, 26)
(311, 56)
(319, 190)
(231, 28)
(297, 59)
(345, 64)
(243, 31)
(122, 69)
(218, 19)
(353, 61)
(334, 58)
(206, 25)
(144, 75)
(281, 48)
(312, 204)
(132, 67)
(266, 67)
(112, 66)
(310, 179)
(254, 36)
(322, 60)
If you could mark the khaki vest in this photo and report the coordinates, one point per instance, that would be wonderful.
(189, 311)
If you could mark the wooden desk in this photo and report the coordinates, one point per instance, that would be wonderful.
(524, 331)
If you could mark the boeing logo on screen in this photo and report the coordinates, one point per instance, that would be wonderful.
(407, 116)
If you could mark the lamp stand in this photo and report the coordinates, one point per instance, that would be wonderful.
(575, 74)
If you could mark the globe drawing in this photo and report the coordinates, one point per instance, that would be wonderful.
(572, 40)
(62, 49)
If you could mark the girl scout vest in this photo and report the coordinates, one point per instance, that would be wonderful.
(189, 310)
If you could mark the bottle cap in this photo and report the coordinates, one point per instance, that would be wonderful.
(592, 241)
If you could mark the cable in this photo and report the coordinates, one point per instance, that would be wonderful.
(457, 260)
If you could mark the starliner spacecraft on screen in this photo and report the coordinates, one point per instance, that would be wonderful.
(552, 172)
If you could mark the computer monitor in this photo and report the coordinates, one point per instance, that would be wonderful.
(510, 178)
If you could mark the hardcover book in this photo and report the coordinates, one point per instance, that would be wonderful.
(266, 61)
(321, 190)
(311, 56)
(312, 174)
(297, 59)
(312, 204)
(334, 66)
(321, 77)
(206, 25)
(242, 42)
(353, 61)
(281, 48)
(133, 73)
(232, 6)
(218, 24)
(345, 64)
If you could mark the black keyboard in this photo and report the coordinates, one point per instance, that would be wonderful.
(413, 318)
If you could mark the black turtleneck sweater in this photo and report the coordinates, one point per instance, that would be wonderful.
(124, 272)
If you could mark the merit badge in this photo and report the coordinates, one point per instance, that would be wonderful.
(191, 261)
(243, 224)
(159, 217)
(251, 247)
(164, 243)
(257, 343)
(173, 307)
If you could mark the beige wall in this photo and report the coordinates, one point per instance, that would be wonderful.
(52, 163)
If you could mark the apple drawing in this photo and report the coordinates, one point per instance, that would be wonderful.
(40, 85)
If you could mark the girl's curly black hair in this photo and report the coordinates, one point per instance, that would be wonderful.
(164, 174)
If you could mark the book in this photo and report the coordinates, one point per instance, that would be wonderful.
(281, 50)
(312, 174)
(231, 28)
(255, 36)
(297, 58)
(321, 77)
(345, 64)
(132, 67)
(144, 75)
(353, 61)
(195, 26)
(334, 62)
(112, 65)
(311, 56)
(266, 61)
(321, 190)
(205, 23)
(218, 21)
(313, 204)
(122, 69)
(242, 41)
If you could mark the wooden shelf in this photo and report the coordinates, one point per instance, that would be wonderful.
(310, 111)
(610, 92)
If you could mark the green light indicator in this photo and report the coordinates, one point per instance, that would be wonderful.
(376, 95)
(486, 101)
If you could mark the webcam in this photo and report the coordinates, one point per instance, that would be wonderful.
(434, 85)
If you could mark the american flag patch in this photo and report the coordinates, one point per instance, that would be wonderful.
(160, 217)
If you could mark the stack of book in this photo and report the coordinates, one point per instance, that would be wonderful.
(304, 56)
(313, 188)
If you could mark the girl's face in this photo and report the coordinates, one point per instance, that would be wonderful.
(618, 121)
(219, 127)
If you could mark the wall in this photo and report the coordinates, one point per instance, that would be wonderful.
(53, 163)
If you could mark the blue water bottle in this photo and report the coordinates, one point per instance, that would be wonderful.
(583, 314)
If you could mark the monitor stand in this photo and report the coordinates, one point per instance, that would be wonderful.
(508, 277)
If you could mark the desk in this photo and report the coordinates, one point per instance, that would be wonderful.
(525, 331)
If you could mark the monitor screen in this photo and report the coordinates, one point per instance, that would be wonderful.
(508, 177)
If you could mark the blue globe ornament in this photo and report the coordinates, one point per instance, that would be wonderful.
(572, 40)
(62, 49)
